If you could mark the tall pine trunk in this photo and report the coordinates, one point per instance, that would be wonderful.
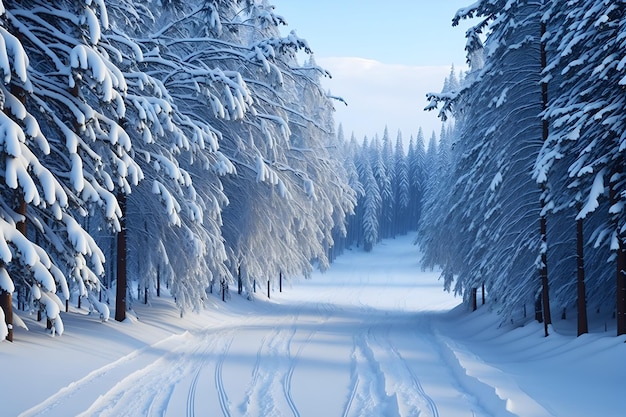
(545, 295)
(621, 287)
(620, 273)
(6, 298)
(583, 326)
(7, 308)
(121, 290)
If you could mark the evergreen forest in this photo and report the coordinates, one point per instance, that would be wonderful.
(189, 146)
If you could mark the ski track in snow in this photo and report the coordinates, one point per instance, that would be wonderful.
(292, 366)
(397, 364)
(382, 381)
(404, 382)
(191, 394)
(66, 393)
(142, 392)
(219, 382)
(368, 395)
(265, 394)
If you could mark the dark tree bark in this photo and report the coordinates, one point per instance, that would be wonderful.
(483, 293)
(583, 326)
(7, 307)
(545, 295)
(239, 281)
(621, 288)
(545, 291)
(474, 299)
(620, 275)
(538, 309)
(120, 300)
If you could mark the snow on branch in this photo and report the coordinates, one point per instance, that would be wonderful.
(13, 58)
(597, 190)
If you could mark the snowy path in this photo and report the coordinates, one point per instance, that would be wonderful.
(365, 339)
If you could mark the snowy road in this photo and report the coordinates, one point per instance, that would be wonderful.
(365, 339)
(317, 360)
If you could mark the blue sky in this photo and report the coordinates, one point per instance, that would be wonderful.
(384, 57)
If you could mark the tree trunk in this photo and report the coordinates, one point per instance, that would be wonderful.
(474, 300)
(545, 296)
(483, 293)
(7, 307)
(544, 236)
(280, 281)
(538, 309)
(120, 300)
(158, 283)
(621, 288)
(239, 282)
(620, 273)
(583, 326)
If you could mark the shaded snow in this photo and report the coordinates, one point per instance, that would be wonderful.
(373, 336)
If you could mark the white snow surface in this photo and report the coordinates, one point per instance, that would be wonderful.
(373, 336)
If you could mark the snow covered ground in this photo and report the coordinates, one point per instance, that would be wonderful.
(374, 336)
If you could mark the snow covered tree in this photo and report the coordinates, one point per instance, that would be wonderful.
(352, 162)
(496, 201)
(401, 188)
(179, 142)
(381, 171)
(66, 98)
(416, 156)
(586, 141)
(372, 202)
(281, 157)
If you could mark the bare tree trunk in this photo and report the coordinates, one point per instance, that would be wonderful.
(120, 300)
(239, 281)
(621, 288)
(474, 299)
(620, 275)
(483, 293)
(583, 326)
(545, 296)
(7, 307)
(158, 281)
(538, 309)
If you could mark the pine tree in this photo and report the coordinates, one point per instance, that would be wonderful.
(401, 188)
(588, 124)
(496, 201)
